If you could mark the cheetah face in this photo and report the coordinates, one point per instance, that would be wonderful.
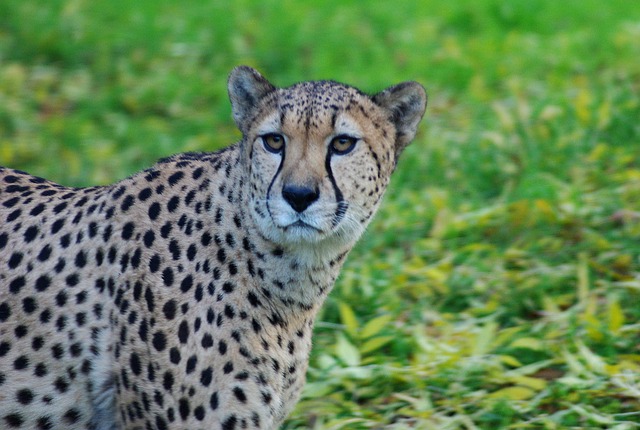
(319, 154)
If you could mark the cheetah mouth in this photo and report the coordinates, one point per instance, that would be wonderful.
(303, 225)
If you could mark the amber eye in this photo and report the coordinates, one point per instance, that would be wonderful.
(273, 142)
(343, 144)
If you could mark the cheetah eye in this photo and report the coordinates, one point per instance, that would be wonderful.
(343, 144)
(273, 142)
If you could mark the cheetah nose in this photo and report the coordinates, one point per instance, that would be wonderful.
(299, 198)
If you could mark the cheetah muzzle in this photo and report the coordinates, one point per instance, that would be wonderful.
(185, 295)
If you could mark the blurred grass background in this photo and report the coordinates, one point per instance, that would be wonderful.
(499, 286)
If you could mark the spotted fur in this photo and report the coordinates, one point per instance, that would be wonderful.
(184, 296)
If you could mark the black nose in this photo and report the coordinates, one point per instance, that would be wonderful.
(299, 198)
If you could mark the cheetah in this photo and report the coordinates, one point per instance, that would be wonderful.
(184, 296)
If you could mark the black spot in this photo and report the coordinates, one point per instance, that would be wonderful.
(148, 297)
(144, 194)
(256, 325)
(167, 276)
(61, 385)
(61, 322)
(186, 283)
(213, 401)
(127, 203)
(21, 331)
(183, 408)
(143, 330)
(206, 376)
(24, 396)
(59, 267)
(169, 309)
(81, 297)
(159, 341)
(154, 210)
(233, 269)
(40, 370)
(31, 233)
(29, 305)
(44, 423)
(5, 311)
(118, 193)
(37, 343)
(16, 285)
(5, 347)
(191, 252)
(206, 239)
(161, 424)
(136, 366)
(173, 204)
(197, 173)
(65, 241)
(81, 319)
(207, 341)
(72, 280)
(228, 287)
(222, 347)
(15, 259)
(71, 416)
(57, 226)
(228, 368)
(174, 248)
(154, 263)
(242, 376)
(148, 238)
(21, 363)
(59, 208)
(44, 254)
(253, 299)
(197, 294)
(127, 230)
(165, 230)
(135, 258)
(14, 420)
(183, 332)
(199, 413)
(230, 423)
(45, 316)
(189, 197)
(175, 178)
(174, 355)
(229, 311)
(42, 283)
(255, 418)
(168, 381)
(191, 364)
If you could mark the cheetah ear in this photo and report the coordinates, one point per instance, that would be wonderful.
(405, 103)
(246, 88)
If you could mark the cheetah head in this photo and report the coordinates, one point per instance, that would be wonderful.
(319, 154)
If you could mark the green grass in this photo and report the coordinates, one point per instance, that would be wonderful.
(499, 286)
